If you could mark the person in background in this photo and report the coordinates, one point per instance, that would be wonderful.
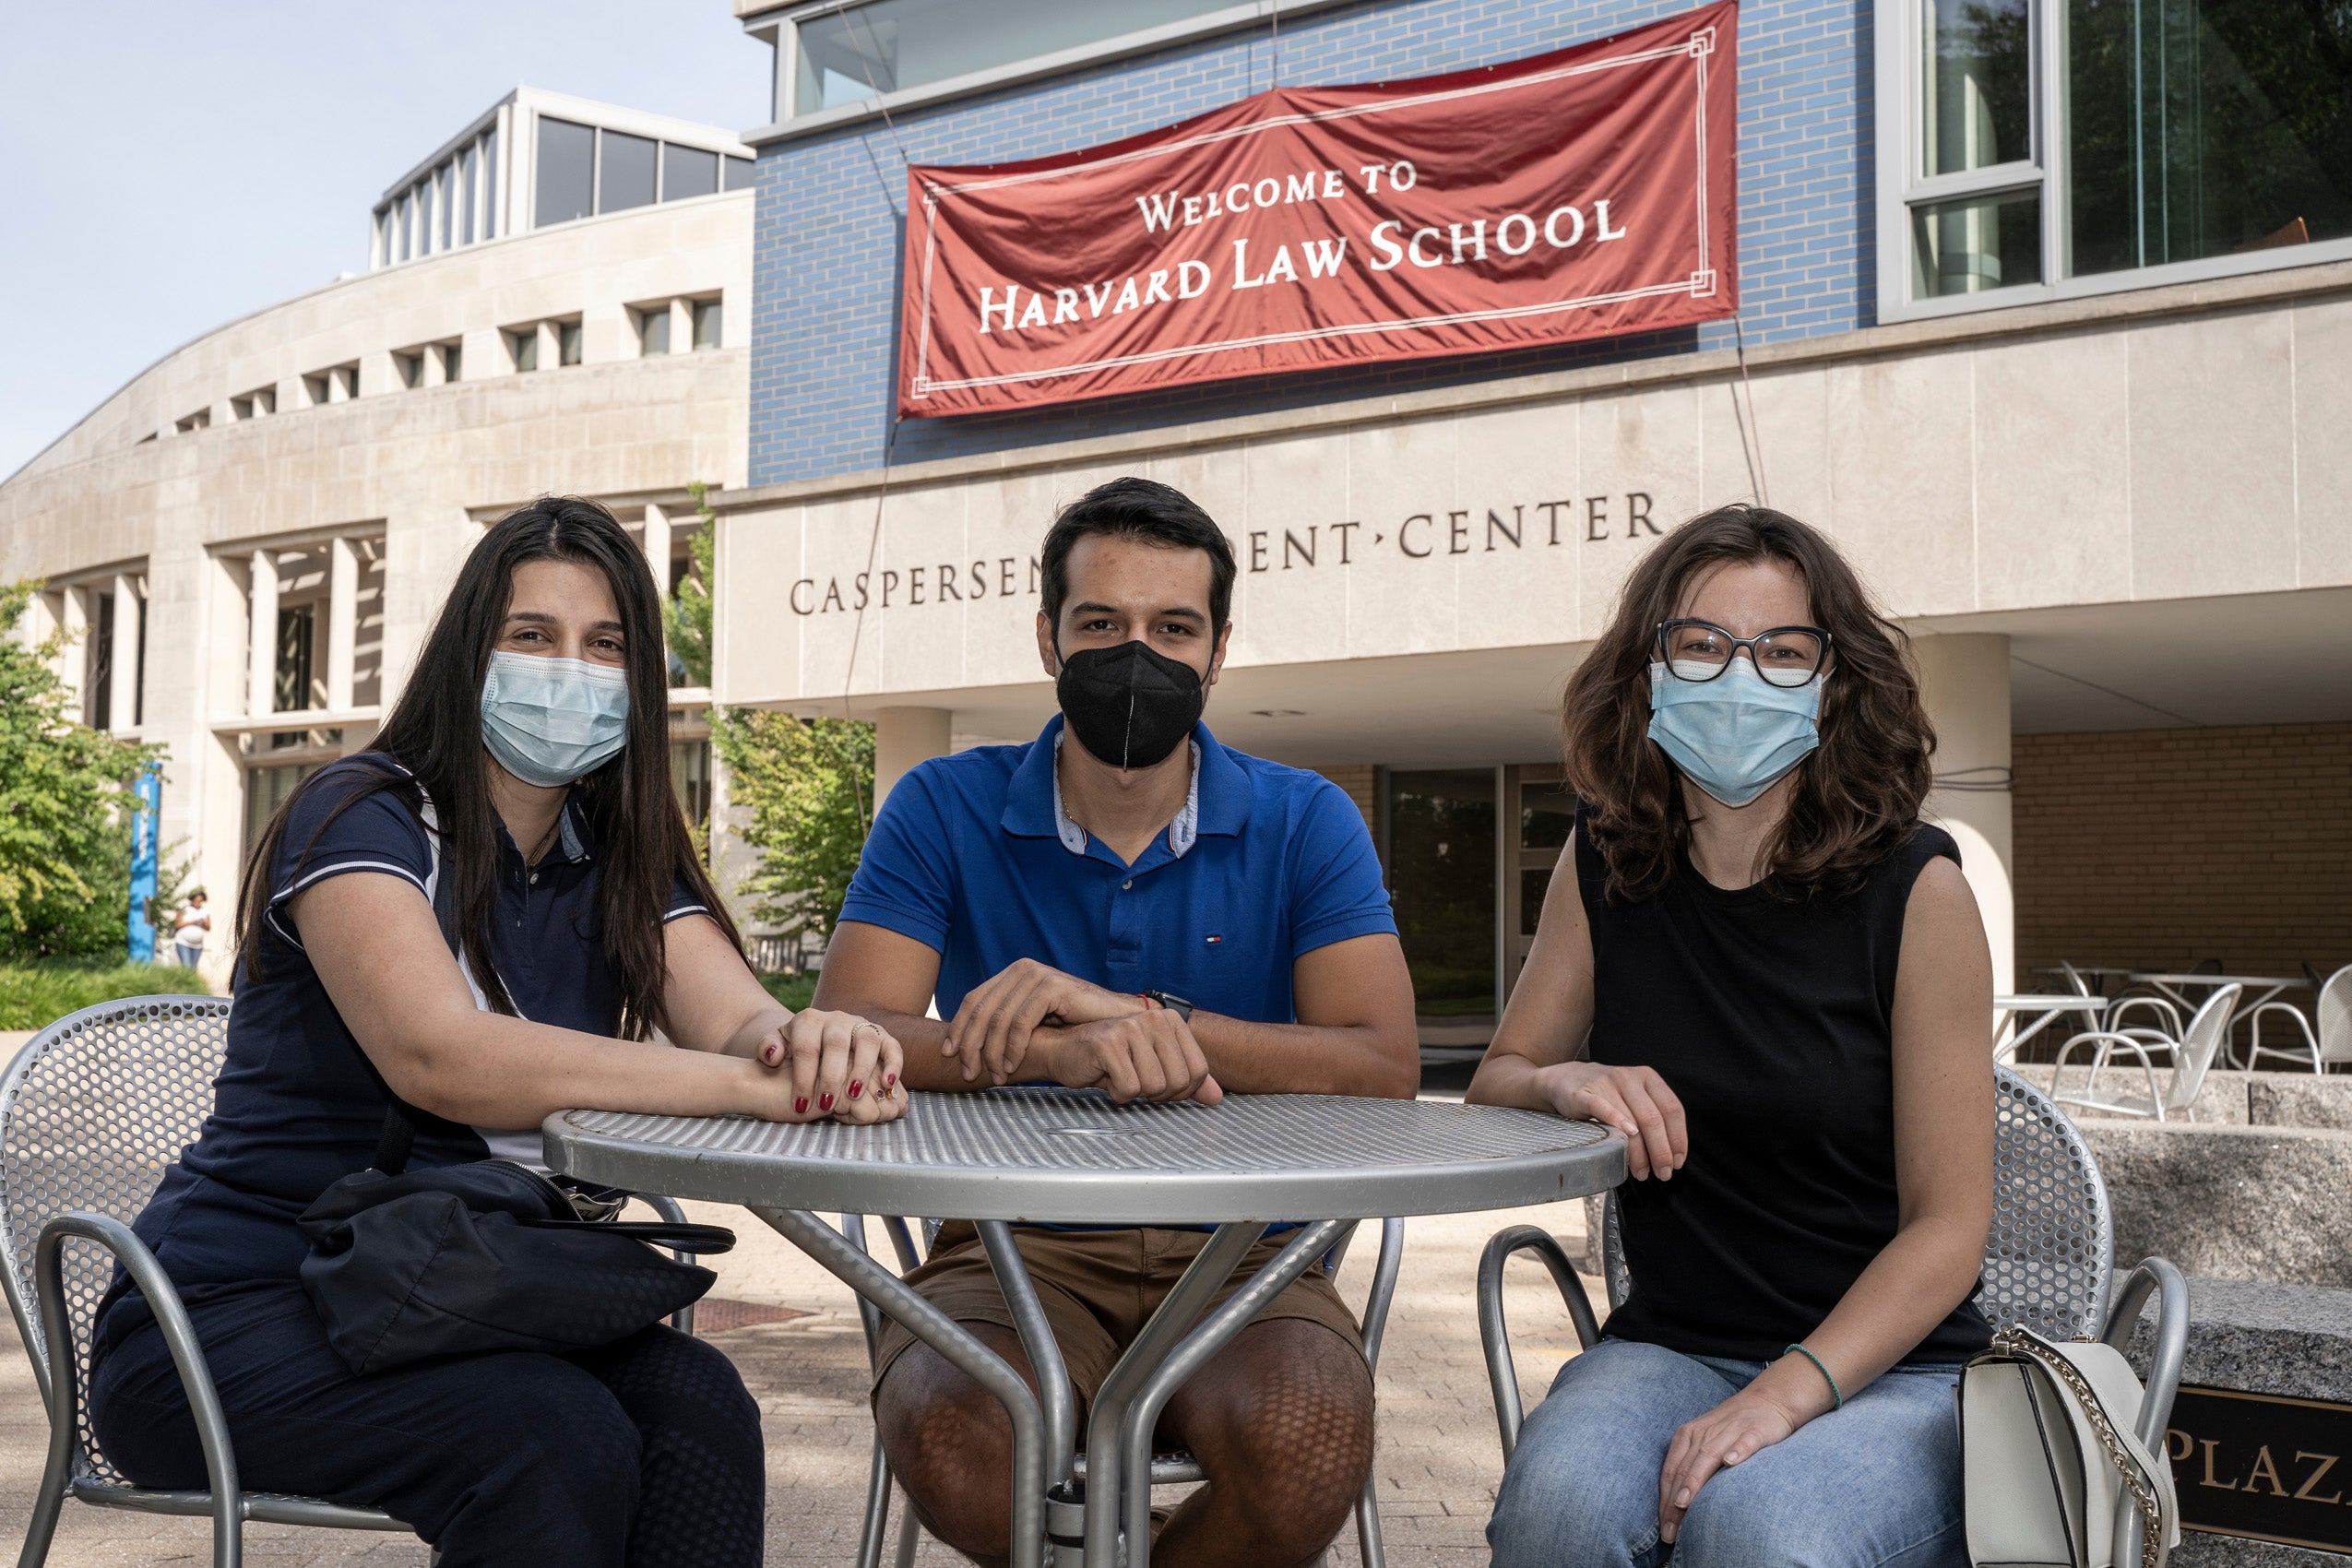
(1758, 965)
(1125, 904)
(522, 785)
(188, 930)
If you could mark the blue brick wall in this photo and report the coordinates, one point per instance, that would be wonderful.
(830, 230)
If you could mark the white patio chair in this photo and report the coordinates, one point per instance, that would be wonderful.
(2049, 1262)
(2331, 1046)
(91, 1110)
(1167, 1469)
(2192, 1057)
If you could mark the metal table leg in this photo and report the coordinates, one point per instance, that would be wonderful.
(1137, 1423)
(1037, 1338)
(1209, 1270)
(943, 1334)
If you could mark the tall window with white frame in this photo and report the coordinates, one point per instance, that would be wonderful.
(316, 614)
(2035, 148)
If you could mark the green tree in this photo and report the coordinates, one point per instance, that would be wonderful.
(803, 787)
(65, 806)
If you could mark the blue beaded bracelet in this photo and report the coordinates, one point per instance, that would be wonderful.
(1837, 1398)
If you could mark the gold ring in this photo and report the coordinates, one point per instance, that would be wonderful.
(869, 1024)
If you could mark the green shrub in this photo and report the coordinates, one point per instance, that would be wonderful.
(794, 991)
(35, 995)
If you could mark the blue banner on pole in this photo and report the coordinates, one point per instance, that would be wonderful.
(149, 789)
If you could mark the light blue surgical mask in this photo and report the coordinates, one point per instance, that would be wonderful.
(548, 720)
(1735, 735)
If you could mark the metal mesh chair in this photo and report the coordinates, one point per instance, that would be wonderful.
(2049, 1259)
(91, 1110)
(1167, 1469)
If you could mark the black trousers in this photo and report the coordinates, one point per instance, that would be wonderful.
(641, 1454)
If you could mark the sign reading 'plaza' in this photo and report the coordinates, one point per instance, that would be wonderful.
(1422, 536)
(1577, 194)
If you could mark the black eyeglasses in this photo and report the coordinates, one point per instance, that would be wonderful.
(1701, 651)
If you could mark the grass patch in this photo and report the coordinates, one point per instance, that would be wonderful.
(33, 996)
(795, 991)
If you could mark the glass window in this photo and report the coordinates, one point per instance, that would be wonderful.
(1978, 97)
(525, 347)
(567, 342)
(706, 319)
(466, 195)
(2205, 127)
(690, 776)
(1442, 865)
(2134, 133)
(453, 361)
(653, 331)
(1979, 243)
(566, 171)
(489, 186)
(738, 172)
(624, 176)
(848, 56)
(410, 369)
(294, 627)
(688, 172)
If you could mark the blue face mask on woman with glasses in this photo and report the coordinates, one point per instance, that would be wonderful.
(1733, 730)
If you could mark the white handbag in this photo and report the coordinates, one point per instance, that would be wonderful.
(2051, 1463)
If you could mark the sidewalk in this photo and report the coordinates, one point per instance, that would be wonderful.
(1437, 1467)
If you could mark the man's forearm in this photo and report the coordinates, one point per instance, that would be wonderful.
(920, 1036)
(1253, 1058)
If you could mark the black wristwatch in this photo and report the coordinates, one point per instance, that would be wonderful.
(1175, 1004)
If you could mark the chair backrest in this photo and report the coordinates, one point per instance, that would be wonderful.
(2207, 1032)
(91, 1110)
(2050, 1252)
(2335, 1010)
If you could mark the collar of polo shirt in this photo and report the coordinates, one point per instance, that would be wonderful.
(1182, 831)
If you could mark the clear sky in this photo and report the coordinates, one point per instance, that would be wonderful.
(167, 168)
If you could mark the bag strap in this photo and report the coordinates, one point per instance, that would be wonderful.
(2131, 1468)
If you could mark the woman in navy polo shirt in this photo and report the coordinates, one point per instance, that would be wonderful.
(523, 777)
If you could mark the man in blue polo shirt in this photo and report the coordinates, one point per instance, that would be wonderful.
(1124, 903)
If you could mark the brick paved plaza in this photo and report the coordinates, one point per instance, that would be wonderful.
(1437, 1468)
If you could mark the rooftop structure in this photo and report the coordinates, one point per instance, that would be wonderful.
(535, 158)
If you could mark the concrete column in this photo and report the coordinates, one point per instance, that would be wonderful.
(903, 737)
(73, 619)
(342, 619)
(657, 546)
(1964, 680)
(261, 650)
(123, 701)
(682, 327)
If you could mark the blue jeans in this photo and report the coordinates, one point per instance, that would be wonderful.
(1877, 1482)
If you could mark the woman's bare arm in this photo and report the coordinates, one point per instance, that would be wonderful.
(380, 955)
(1536, 1060)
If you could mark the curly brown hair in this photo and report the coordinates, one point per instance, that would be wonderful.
(1857, 797)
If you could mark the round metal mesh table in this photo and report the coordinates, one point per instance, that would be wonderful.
(1055, 1154)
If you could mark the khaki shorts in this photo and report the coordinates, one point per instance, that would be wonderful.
(1098, 1288)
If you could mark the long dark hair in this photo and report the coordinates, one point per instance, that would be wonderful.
(1857, 797)
(435, 736)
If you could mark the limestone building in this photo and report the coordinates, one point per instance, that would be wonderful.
(253, 535)
(2046, 315)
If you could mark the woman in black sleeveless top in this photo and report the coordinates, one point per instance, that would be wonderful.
(1758, 965)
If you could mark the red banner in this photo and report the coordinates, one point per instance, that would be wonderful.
(1579, 193)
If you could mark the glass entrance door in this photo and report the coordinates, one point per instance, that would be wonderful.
(1442, 866)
